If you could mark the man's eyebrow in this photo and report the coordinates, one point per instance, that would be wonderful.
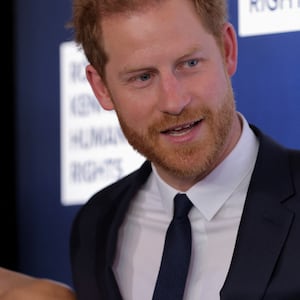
(191, 51)
(127, 70)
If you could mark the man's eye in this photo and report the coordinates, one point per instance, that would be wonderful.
(144, 77)
(192, 62)
(140, 80)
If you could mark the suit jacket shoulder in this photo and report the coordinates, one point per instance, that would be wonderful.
(265, 263)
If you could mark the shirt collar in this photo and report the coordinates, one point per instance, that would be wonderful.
(210, 194)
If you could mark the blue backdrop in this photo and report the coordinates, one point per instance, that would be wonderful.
(267, 89)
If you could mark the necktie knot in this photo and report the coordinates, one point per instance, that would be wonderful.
(182, 206)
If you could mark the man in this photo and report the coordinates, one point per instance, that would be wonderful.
(18, 286)
(165, 67)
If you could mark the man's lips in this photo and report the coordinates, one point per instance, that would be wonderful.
(181, 129)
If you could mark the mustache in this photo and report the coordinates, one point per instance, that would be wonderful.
(187, 116)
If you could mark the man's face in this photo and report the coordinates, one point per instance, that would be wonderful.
(169, 84)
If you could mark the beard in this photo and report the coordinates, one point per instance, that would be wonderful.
(193, 159)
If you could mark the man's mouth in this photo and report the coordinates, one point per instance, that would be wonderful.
(182, 129)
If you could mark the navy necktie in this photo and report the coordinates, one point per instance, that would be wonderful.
(176, 254)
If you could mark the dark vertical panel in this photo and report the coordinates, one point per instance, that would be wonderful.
(8, 233)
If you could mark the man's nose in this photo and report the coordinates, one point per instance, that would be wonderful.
(173, 95)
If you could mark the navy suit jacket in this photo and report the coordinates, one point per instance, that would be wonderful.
(266, 259)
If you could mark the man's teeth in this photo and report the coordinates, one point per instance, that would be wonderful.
(181, 130)
(183, 127)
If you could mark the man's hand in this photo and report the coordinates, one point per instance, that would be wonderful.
(18, 286)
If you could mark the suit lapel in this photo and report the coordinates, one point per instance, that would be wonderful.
(122, 197)
(264, 225)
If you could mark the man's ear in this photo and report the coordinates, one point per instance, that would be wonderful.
(230, 48)
(99, 88)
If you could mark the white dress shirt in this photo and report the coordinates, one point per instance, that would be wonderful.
(218, 203)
